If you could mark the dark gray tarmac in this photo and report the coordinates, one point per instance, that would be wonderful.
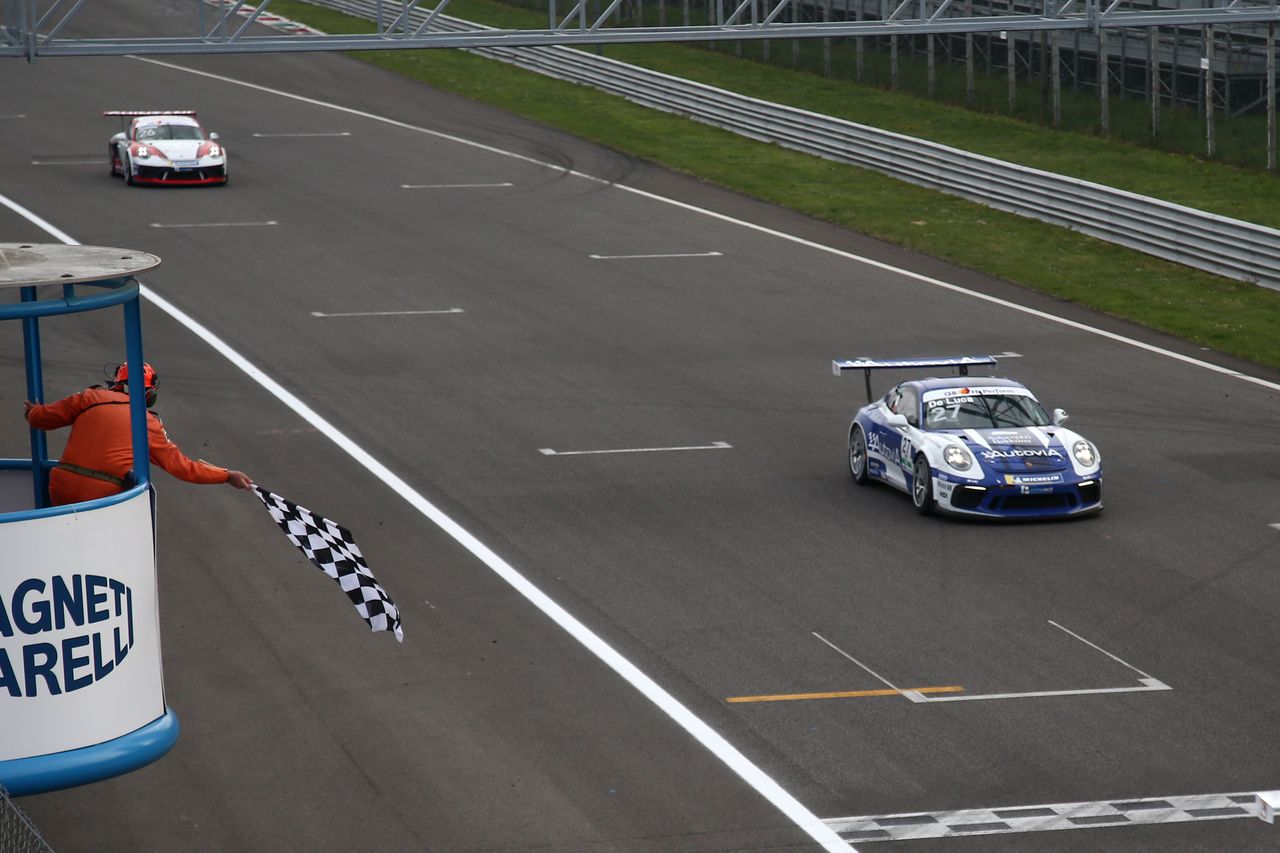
(711, 571)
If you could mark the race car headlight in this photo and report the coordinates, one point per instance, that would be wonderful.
(1084, 453)
(144, 153)
(215, 151)
(957, 457)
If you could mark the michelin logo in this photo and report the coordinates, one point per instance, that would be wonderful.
(36, 609)
(1031, 479)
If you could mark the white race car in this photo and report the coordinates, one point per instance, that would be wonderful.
(166, 147)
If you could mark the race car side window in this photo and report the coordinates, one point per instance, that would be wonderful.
(909, 405)
(891, 399)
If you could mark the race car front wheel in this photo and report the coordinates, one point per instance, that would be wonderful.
(126, 166)
(858, 456)
(922, 485)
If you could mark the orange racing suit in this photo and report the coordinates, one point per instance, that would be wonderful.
(101, 443)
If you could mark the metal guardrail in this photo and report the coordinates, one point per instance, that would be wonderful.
(17, 833)
(1206, 241)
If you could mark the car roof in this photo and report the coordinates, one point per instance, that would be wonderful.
(934, 382)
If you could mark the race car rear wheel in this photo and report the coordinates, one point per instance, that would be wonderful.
(858, 456)
(922, 485)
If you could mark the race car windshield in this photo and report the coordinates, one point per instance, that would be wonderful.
(169, 131)
(985, 411)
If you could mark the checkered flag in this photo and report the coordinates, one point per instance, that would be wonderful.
(333, 551)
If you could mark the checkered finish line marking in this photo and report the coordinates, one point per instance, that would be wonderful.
(903, 827)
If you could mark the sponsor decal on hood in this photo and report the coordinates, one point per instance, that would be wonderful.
(1021, 453)
(1004, 438)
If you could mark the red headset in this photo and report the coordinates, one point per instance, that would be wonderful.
(150, 379)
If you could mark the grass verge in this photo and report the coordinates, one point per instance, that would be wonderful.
(1233, 317)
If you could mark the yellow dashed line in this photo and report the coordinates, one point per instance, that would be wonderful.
(848, 694)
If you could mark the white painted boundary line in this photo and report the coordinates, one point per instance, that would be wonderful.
(1147, 684)
(717, 445)
(268, 223)
(454, 186)
(386, 313)
(712, 740)
(912, 695)
(645, 257)
(79, 161)
(791, 238)
(1099, 648)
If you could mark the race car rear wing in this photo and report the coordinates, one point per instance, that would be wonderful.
(124, 115)
(131, 113)
(961, 363)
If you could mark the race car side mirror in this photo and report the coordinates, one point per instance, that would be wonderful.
(896, 420)
(213, 136)
(1059, 415)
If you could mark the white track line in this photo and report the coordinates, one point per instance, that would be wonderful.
(713, 741)
(268, 223)
(645, 257)
(453, 186)
(298, 135)
(1147, 683)
(1096, 647)
(95, 161)
(912, 695)
(386, 313)
(791, 238)
(718, 445)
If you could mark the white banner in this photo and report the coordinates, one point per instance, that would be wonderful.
(79, 629)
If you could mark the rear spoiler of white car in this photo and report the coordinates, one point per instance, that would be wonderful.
(961, 363)
(131, 113)
(124, 115)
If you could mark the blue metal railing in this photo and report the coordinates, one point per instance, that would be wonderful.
(119, 291)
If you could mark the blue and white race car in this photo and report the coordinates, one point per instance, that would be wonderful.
(979, 446)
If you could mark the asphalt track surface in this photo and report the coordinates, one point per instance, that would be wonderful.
(748, 570)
